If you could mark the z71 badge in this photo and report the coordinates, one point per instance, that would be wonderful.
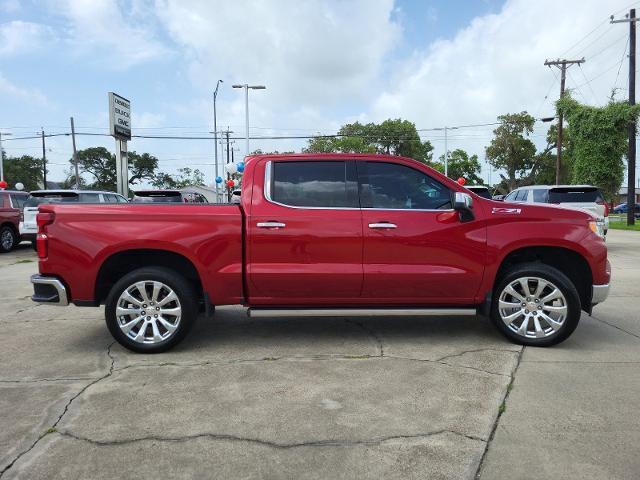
(508, 211)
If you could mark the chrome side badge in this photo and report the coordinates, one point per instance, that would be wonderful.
(507, 211)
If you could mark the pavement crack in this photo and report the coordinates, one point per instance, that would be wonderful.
(615, 326)
(313, 358)
(476, 350)
(268, 443)
(52, 429)
(501, 410)
(52, 380)
(370, 332)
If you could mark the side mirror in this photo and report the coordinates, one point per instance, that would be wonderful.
(463, 204)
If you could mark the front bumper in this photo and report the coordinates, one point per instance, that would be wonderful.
(599, 293)
(49, 290)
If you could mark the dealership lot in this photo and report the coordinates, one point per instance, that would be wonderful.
(317, 397)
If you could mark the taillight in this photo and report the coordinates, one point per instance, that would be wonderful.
(42, 241)
(42, 245)
(601, 201)
(43, 219)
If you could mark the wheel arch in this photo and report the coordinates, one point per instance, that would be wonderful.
(570, 262)
(120, 263)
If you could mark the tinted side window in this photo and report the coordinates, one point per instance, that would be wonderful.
(109, 198)
(312, 184)
(511, 196)
(540, 196)
(521, 196)
(17, 200)
(89, 198)
(395, 186)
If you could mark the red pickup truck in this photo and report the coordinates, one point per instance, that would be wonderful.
(326, 235)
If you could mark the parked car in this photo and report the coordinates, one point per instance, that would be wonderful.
(167, 196)
(235, 196)
(498, 198)
(326, 235)
(585, 197)
(28, 226)
(622, 208)
(11, 203)
(480, 190)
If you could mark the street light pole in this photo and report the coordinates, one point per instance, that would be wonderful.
(215, 134)
(2, 156)
(246, 108)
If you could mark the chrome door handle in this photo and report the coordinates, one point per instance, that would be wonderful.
(270, 225)
(383, 225)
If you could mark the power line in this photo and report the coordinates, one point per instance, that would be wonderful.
(595, 98)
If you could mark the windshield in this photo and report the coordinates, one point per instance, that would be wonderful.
(54, 198)
(575, 195)
(481, 191)
(157, 199)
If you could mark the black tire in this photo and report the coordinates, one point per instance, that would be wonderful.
(186, 296)
(8, 239)
(559, 280)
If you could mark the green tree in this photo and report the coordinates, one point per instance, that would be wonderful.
(511, 150)
(186, 177)
(392, 137)
(598, 141)
(460, 164)
(101, 165)
(25, 169)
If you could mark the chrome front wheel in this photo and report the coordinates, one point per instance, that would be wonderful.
(148, 312)
(532, 307)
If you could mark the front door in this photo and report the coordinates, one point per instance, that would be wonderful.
(305, 234)
(416, 250)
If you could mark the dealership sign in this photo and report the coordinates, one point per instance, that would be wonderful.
(119, 117)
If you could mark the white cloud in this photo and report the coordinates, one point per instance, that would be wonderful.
(147, 120)
(495, 66)
(18, 37)
(119, 35)
(310, 51)
(21, 93)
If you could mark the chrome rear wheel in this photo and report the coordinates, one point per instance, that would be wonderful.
(148, 312)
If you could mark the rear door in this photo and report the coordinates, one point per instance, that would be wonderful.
(304, 233)
(416, 250)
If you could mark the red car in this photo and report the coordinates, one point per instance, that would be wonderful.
(11, 204)
(326, 235)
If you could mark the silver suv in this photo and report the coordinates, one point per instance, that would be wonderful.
(585, 197)
(28, 226)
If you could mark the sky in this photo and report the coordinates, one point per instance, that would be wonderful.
(324, 63)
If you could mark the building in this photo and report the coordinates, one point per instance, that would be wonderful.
(622, 196)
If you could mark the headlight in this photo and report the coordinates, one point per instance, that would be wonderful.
(597, 227)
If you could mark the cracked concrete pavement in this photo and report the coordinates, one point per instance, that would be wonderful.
(317, 397)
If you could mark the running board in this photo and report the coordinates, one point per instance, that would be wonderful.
(359, 312)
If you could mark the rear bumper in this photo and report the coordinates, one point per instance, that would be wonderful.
(49, 290)
(599, 293)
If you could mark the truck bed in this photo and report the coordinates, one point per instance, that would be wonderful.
(83, 237)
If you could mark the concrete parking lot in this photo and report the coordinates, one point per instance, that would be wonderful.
(434, 398)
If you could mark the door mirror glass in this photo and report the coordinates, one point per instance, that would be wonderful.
(463, 204)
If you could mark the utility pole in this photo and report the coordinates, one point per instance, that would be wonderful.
(75, 153)
(631, 155)
(215, 132)
(446, 154)
(562, 65)
(44, 163)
